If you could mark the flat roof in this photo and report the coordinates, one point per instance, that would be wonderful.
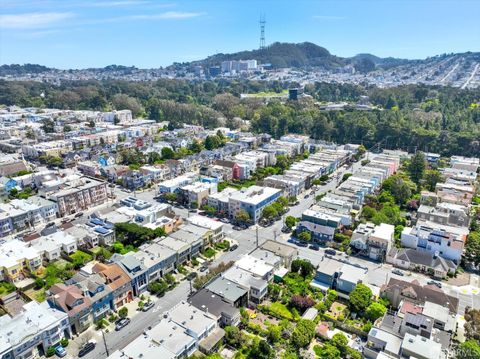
(227, 289)
(418, 345)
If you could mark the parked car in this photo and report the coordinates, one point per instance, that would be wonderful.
(60, 351)
(87, 348)
(224, 220)
(192, 275)
(398, 272)
(434, 282)
(306, 196)
(314, 247)
(78, 215)
(203, 268)
(332, 252)
(232, 248)
(148, 305)
(122, 323)
(286, 229)
(302, 244)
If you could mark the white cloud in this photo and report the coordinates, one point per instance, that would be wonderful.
(329, 17)
(33, 20)
(167, 15)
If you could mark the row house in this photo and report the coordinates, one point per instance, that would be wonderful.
(373, 241)
(22, 214)
(31, 332)
(17, 260)
(118, 281)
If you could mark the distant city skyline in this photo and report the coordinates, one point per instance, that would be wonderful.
(149, 33)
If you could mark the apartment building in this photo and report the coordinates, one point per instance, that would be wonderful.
(320, 225)
(197, 193)
(78, 194)
(444, 241)
(252, 200)
(22, 214)
(52, 148)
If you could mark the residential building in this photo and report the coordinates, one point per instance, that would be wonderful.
(53, 245)
(444, 241)
(229, 291)
(17, 259)
(320, 225)
(285, 252)
(31, 332)
(118, 281)
(72, 301)
(78, 194)
(196, 194)
(419, 347)
(421, 261)
(135, 269)
(157, 258)
(252, 200)
(397, 290)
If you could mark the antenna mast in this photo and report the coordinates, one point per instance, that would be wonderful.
(262, 31)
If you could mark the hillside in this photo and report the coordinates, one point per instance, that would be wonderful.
(280, 55)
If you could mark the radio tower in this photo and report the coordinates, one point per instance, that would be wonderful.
(262, 32)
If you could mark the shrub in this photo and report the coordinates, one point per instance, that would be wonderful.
(123, 312)
(64, 342)
(301, 302)
(101, 323)
(50, 352)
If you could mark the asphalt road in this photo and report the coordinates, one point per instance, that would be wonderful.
(377, 274)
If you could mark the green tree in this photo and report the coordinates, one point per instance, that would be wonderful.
(375, 310)
(431, 178)
(242, 216)
(167, 153)
(123, 312)
(470, 349)
(472, 248)
(400, 191)
(417, 167)
(360, 297)
(305, 236)
(269, 212)
(303, 333)
(233, 336)
(171, 197)
(340, 341)
(261, 350)
(329, 351)
(274, 333)
(196, 146)
(290, 221)
(212, 142)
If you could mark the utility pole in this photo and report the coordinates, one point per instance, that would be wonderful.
(105, 343)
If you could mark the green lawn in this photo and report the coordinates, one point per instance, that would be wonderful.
(6, 288)
(209, 253)
(81, 257)
(280, 310)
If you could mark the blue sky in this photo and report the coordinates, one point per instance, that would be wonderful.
(152, 33)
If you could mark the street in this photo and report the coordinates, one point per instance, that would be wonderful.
(377, 273)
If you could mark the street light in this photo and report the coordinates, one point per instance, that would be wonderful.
(105, 342)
